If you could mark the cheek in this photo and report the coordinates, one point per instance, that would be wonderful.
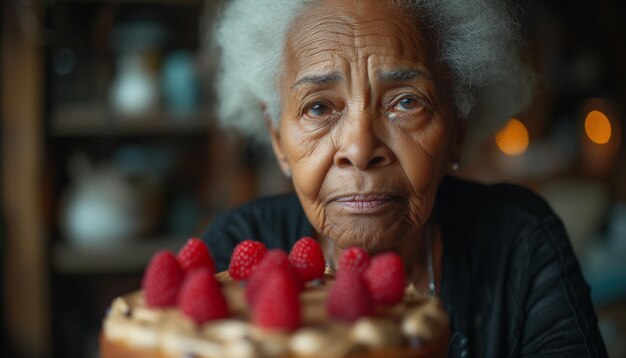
(310, 159)
(422, 156)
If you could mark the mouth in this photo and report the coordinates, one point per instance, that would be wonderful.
(364, 203)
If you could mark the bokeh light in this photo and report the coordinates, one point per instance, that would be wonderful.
(513, 138)
(598, 127)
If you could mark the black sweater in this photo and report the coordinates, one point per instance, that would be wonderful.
(510, 282)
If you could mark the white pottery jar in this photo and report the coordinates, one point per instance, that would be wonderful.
(134, 88)
(102, 207)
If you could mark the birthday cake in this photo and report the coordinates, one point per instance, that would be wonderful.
(274, 304)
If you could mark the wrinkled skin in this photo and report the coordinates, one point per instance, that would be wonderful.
(368, 128)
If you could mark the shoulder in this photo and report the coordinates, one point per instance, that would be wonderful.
(507, 220)
(277, 221)
(502, 199)
(499, 216)
(262, 209)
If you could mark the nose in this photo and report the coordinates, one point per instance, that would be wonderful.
(360, 146)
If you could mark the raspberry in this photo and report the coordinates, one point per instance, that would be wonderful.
(245, 257)
(307, 258)
(161, 280)
(277, 306)
(201, 298)
(273, 260)
(355, 259)
(195, 254)
(386, 279)
(349, 297)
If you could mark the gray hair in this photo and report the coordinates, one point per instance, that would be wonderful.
(478, 41)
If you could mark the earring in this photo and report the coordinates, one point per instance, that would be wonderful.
(455, 166)
(288, 173)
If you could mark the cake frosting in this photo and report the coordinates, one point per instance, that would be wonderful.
(404, 329)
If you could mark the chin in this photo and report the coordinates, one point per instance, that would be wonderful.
(371, 243)
(370, 235)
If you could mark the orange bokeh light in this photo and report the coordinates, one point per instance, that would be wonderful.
(598, 127)
(513, 139)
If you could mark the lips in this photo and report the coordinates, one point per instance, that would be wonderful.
(365, 203)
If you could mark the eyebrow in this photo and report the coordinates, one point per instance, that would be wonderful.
(318, 79)
(401, 75)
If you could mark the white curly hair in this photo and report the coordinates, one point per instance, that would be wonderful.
(478, 40)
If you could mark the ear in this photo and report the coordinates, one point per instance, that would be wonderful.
(277, 146)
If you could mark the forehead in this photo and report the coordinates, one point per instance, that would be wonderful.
(355, 29)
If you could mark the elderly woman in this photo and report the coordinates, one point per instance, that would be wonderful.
(367, 104)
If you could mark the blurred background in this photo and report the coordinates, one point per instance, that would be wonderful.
(110, 151)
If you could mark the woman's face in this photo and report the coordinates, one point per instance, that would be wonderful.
(367, 126)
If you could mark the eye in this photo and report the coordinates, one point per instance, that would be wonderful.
(318, 109)
(406, 104)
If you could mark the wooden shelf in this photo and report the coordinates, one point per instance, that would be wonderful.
(127, 258)
(86, 120)
(132, 2)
